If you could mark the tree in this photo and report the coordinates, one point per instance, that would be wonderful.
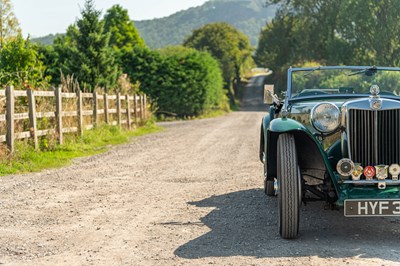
(95, 63)
(9, 25)
(275, 48)
(341, 32)
(85, 51)
(227, 44)
(372, 28)
(59, 57)
(313, 29)
(124, 35)
(303, 31)
(20, 64)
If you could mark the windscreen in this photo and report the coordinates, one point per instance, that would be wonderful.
(344, 81)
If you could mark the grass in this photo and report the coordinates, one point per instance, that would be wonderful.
(25, 159)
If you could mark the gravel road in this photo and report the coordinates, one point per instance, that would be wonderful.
(191, 195)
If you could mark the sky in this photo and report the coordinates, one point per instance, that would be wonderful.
(42, 17)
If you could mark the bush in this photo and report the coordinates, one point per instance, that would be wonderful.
(180, 80)
(20, 64)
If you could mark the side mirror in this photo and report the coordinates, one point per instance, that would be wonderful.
(269, 94)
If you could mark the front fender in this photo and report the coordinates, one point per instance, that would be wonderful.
(311, 154)
(263, 133)
(282, 125)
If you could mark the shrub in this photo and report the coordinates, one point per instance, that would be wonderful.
(180, 80)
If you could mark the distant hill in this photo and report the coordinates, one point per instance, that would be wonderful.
(46, 40)
(249, 16)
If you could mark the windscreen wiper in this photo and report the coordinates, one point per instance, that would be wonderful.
(311, 71)
(369, 71)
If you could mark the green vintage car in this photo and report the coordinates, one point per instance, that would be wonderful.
(334, 138)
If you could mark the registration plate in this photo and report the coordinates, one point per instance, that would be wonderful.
(365, 208)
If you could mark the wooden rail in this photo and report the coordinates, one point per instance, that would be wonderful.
(139, 112)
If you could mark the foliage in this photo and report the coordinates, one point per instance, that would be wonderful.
(227, 44)
(142, 65)
(248, 16)
(47, 40)
(124, 35)
(9, 25)
(181, 81)
(20, 64)
(84, 52)
(330, 32)
(372, 30)
(93, 64)
(58, 57)
(95, 141)
(276, 50)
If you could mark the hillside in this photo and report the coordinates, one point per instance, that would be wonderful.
(46, 40)
(249, 16)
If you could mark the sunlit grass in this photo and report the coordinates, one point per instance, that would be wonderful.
(26, 159)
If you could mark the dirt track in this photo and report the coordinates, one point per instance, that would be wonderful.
(190, 195)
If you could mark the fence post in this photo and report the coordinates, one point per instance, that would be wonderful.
(135, 110)
(32, 117)
(141, 108)
(59, 114)
(10, 100)
(95, 113)
(80, 111)
(128, 111)
(145, 106)
(106, 117)
(119, 109)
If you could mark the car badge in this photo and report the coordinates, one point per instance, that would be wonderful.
(358, 171)
(374, 89)
(369, 172)
(376, 104)
(345, 167)
(394, 171)
(381, 171)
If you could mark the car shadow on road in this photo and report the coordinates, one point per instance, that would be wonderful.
(244, 223)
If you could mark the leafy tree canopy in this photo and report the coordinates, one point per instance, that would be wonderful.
(227, 44)
(331, 32)
(9, 25)
(124, 35)
(20, 64)
(85, 52)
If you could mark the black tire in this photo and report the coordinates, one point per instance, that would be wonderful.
(269, 186)
(289, 187)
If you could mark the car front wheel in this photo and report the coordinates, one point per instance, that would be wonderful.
(289, 187)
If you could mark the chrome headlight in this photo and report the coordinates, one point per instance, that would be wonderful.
(325, 117)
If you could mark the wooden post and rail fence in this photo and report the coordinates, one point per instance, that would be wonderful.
(135, 111)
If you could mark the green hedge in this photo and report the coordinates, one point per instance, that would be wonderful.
(179, 80)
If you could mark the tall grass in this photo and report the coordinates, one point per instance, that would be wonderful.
(26, 159)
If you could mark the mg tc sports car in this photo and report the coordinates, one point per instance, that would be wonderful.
(335, 137)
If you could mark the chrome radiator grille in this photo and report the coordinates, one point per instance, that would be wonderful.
(373, 136)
